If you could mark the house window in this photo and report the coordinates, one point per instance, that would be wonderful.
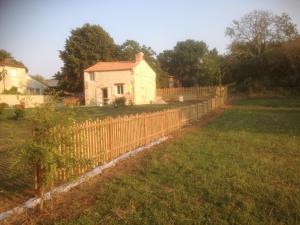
(92, 76)
(120, 89)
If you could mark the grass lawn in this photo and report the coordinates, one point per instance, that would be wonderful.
(14, 186)
(242, 168)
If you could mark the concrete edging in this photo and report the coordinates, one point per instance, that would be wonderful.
(33, 202)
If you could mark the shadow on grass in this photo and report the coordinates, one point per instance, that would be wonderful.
(267, 121)
(282, 102)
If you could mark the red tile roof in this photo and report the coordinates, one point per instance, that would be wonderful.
(11, 63)
(111, 66)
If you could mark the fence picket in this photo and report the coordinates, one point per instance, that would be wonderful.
(102, 140)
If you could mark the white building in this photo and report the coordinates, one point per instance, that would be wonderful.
(16, 76)
(134, 80)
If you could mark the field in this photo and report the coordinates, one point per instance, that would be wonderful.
(15, 187)
(240, 168)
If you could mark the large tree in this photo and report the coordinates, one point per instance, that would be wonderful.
(257, 59)
(258, 30)
(130, 48)
(86, 45)
(185, 62)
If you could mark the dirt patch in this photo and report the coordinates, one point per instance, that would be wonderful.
(76, 201)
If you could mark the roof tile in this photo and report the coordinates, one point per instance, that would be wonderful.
(111, 66)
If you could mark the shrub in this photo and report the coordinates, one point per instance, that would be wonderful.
(3, 105)
(19, 112)
(119, 101)
(12, 91)
(41, 152)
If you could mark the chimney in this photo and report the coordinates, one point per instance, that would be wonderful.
(139, 57)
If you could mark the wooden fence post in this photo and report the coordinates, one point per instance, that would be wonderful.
(110, 137)
(145, 128)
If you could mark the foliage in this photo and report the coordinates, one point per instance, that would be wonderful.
(130, 48)
(264, 53)
(3, 105)
(41, 152)
(184, 62)
(3, 75)
(39, 78)
(259, 29)
(276, 67)
(120, 101)
(212, 65)
(8, 58)
(12, 91)
(86, 46)
(19, 112)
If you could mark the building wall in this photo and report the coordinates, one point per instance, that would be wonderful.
(28, 100)
(109, 79)
(145, 84)
(18, 77)
(139, 85)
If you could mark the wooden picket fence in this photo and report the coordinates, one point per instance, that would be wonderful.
(99, 141)
(190, 93)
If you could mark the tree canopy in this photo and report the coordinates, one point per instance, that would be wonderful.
(184, 62)
(130, 48)
(86, 45)
(258, 30)
(261, 54)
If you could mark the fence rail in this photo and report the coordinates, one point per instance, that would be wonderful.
(189, 93)
(101, 141)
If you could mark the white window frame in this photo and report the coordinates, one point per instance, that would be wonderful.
(92, 76)
(119, 89)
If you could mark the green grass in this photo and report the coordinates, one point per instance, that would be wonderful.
(242, 168)
(287, 102)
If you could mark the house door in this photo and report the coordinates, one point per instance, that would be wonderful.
(104, 96)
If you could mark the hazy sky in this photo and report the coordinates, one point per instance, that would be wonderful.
(34, 31)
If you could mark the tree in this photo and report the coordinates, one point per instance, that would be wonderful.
(184, 62)
(130, 48)
(41, 153)
(39, 78)
(257, 30)
(3, 74)
(291, 50)
(5, 55)
(212, 64)
(86, 46)
(257, 59)
(7, 58)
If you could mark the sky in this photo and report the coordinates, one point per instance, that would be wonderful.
(35, 30)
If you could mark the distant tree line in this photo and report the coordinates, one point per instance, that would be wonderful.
(264, 53)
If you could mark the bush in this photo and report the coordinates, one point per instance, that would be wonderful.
(3, 105)
(119, 101)
(12, 91)
(19, 112)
